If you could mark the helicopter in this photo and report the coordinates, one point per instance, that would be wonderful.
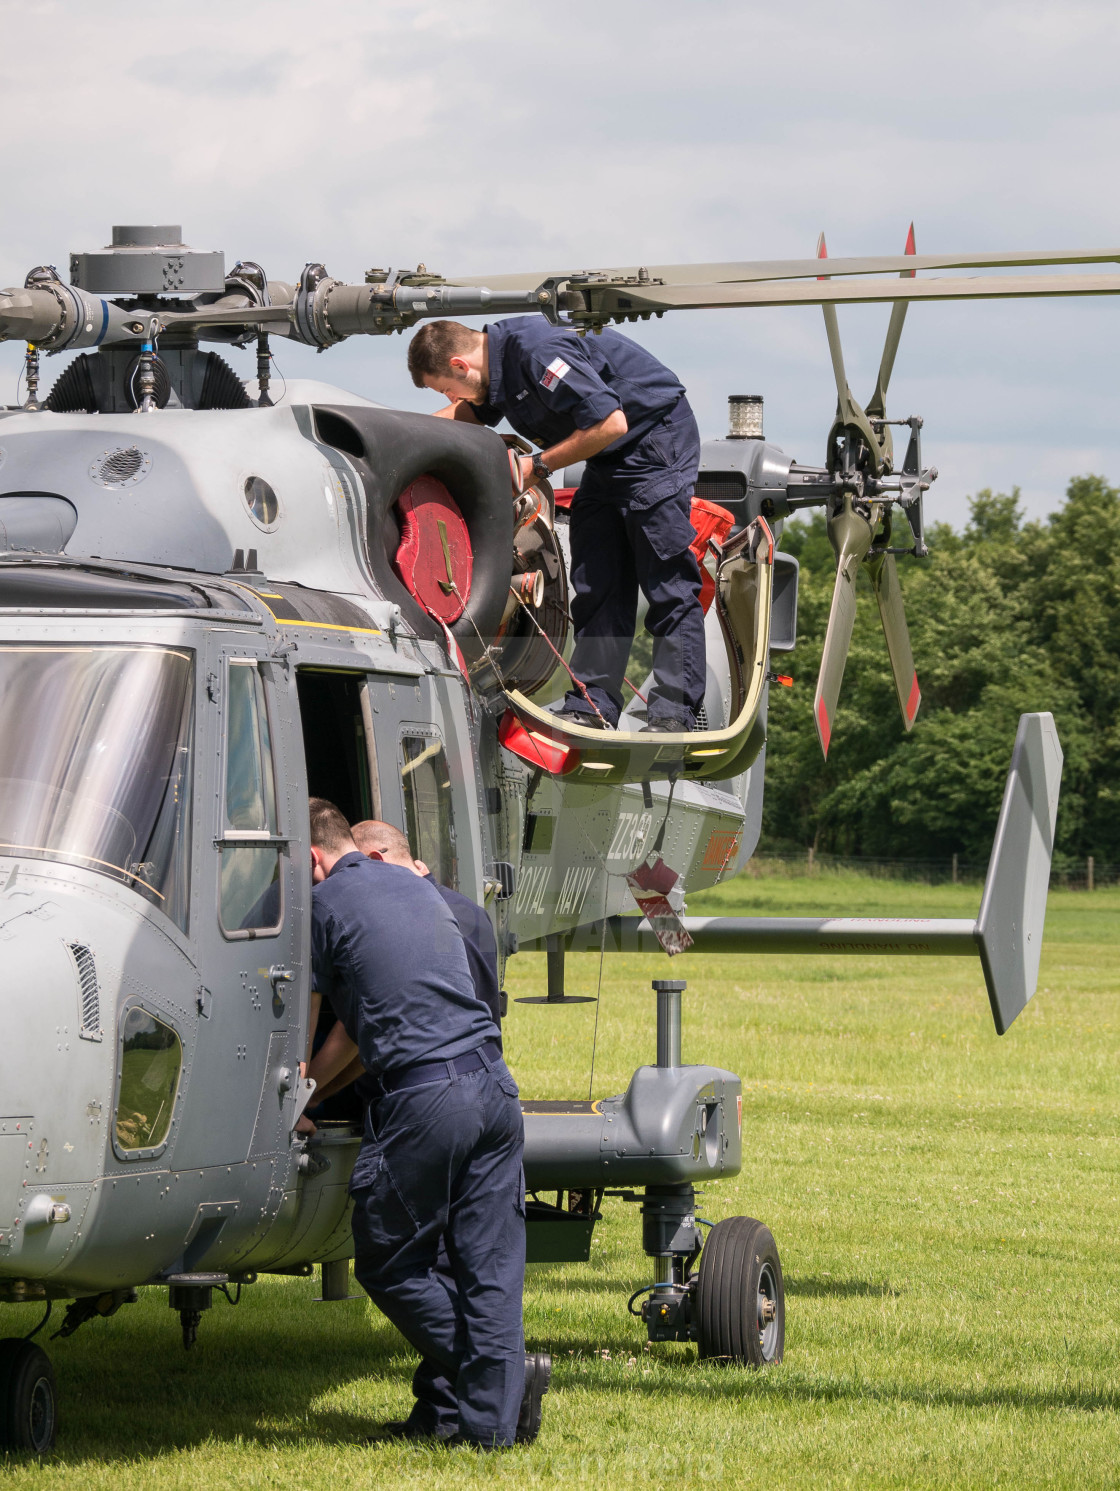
(217, 601)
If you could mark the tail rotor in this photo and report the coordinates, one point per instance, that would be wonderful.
(861, 462)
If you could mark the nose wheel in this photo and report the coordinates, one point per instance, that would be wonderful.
(740, 1297)
(28, 1400)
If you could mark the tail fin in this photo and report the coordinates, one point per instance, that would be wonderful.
(1009, 927)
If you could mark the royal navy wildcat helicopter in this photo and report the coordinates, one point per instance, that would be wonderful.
(215, 601)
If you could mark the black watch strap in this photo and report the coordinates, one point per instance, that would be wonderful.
(539, 467)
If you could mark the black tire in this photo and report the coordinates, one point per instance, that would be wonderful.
(28, 1401)
(740, 1296)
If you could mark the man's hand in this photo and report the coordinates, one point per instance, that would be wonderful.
(581, 445)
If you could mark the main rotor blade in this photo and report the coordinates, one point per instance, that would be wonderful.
(628, 299)
(851, 537)
(888, 592)
(877, 405)
(797, 269)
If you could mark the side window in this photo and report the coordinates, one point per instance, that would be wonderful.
(426, 783)
(151, 1059)
(251, 893)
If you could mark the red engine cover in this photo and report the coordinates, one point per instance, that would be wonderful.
(434, 559)
(710, 522)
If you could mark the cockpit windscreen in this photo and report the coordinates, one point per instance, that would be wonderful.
(95, 763)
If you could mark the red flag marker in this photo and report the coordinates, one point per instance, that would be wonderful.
(824, 726)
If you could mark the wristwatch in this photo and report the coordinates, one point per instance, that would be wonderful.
(540, 470)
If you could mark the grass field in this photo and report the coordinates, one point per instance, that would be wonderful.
(945, 1202)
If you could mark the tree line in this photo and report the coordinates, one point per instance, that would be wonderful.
(1005, 617)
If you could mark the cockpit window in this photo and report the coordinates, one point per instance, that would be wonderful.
(95, 763)
(426, 781)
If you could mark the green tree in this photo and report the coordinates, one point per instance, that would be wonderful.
(1005, 618)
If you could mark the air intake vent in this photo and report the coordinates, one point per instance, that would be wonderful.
(121, 468)
(722, 487)
(89, 993)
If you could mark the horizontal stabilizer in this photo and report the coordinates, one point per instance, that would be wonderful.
(1007, 936)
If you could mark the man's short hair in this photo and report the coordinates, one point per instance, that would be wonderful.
(383, 838)
(329, 829)
(434, 345)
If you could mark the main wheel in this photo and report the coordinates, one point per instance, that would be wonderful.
(740, 1297)
(28, 1403)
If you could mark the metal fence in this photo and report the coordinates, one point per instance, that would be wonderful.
(1068, 873)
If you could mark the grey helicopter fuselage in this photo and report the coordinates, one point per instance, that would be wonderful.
(188, 595)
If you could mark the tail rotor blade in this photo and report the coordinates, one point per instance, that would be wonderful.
(876, 408)
(845, 412)
(851, 538)
(888, 593)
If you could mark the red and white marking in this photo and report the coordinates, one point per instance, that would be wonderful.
(556, 370)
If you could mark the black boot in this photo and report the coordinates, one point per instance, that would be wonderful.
(538, 1372)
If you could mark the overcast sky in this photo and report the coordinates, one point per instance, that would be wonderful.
(506, 135)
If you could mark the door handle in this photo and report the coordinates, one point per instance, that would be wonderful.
(278, 975)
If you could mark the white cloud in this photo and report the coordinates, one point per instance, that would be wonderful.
(505, 136)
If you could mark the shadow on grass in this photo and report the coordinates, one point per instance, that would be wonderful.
(826, 1288)
(681, 1373)
(257, 1378)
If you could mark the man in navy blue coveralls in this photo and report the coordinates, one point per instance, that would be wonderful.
(387, 842)
(436, 1411)
(607, 401)
(444, 1139)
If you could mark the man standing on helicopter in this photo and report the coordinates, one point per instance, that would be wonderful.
(606, 401)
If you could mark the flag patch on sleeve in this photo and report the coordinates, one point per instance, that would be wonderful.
(556, 370)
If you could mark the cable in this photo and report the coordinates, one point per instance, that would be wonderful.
(560, 659)
(32, 1334)
(645, 1289)
(276, 368)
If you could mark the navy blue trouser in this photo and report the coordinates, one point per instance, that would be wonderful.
(444, 1161)
(615, 549)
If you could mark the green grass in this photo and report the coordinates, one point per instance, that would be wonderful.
(945, 1202)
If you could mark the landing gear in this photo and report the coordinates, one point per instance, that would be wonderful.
(28, 1401)
(740, 1301)
(733, 1303)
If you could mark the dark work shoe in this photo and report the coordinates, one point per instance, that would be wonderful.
(538, 1373)
(669, 724)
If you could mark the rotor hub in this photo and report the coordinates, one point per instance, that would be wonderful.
(151, 260)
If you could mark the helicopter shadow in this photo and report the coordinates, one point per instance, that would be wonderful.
(134, 1391)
